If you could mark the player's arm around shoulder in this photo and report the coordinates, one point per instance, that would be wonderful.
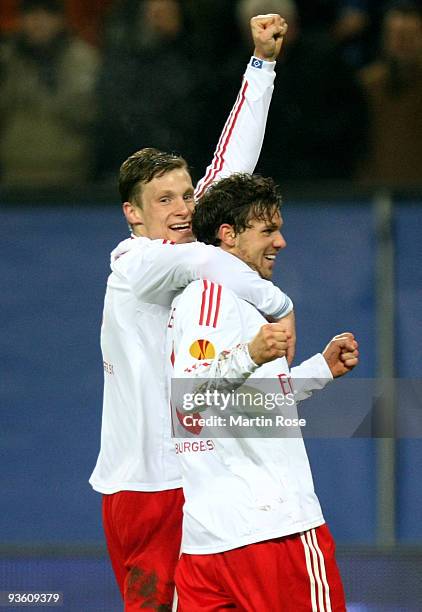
(157, 269)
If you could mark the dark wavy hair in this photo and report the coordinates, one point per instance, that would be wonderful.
(141, 167)
(236, 200)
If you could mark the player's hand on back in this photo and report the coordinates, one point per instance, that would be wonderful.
(271, 342)
(267, 33)
(341, 354)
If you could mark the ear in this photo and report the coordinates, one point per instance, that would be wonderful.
(227, 235)
(132, 213)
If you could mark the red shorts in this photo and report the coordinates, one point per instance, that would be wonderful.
(143, 532)
(297, 573)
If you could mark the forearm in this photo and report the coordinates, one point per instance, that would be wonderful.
(225, 373)
(311, 375)
(231, 272)
(231, 363)
(241, 140)
(164, 269)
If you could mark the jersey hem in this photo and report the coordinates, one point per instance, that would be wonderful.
(253, 539)
(138, 486)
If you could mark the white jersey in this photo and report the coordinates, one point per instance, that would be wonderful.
(136, 452)
(238, 490)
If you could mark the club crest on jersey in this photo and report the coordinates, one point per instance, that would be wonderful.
(257, 63)
(202, 349)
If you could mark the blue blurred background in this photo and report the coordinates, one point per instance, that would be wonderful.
(54, 266)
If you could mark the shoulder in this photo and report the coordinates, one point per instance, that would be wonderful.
(129, 245)
(207, 304)
(206, 290)
(159, 243)
(127, 251)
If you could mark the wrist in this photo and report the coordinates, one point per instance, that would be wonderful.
(261, 63)
(251, 355)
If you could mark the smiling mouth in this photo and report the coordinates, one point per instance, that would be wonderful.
(183, 228)
(270, 257)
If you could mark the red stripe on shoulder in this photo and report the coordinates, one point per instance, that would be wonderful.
(210, 303)
(224, 141)
(217, 307)
(204, 299)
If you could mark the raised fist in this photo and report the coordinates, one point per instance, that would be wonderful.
(267, 33)
(341, 354)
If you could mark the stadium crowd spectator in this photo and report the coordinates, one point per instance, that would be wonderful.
(159, 87)
(393, 86)
(354, 30)
(148, 84)
(85, 18)
(47, 102)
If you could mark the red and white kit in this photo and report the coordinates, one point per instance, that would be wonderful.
(240, 491)
(137, 454)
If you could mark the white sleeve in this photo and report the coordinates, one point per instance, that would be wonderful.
(240, 143)
(208, 335)
(161, 269)
(311, 375)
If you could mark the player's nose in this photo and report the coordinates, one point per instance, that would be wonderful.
(182, 207)
(279, 241)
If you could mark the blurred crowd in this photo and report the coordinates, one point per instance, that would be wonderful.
(85, 84)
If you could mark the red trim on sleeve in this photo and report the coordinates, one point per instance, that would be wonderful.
(223, 142)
